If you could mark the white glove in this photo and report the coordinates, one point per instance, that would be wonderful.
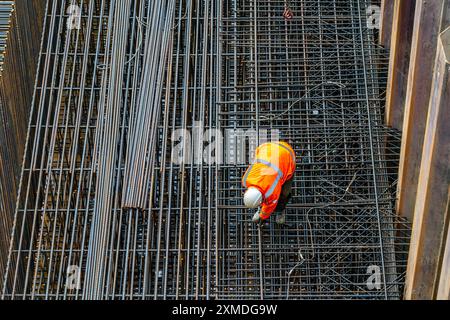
(256, 216)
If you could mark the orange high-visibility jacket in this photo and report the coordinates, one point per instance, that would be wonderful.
(274, 165)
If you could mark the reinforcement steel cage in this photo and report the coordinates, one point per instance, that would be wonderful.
(131, 184)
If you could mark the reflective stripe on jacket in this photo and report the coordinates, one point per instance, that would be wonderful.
(274, 165)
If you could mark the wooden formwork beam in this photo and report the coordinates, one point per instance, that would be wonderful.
(402, 29)
(430, 225)
(423, 55)
(386, 21)
(445, 20)
(444, 280)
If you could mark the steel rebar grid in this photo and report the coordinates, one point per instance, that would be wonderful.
(184, 233)
(316, 79)
(77, 151)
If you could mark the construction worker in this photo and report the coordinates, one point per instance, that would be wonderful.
(268, 181)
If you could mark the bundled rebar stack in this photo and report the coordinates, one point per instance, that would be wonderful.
(128, 190)
(143, 141)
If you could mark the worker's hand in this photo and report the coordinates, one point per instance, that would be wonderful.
(257, 216)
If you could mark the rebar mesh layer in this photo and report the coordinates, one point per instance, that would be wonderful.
(104, 210)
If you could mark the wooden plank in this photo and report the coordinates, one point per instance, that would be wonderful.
(402, 30)
(445, 19)
(386, 20)
(444, 280)
(423, 55)
(430, 218)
